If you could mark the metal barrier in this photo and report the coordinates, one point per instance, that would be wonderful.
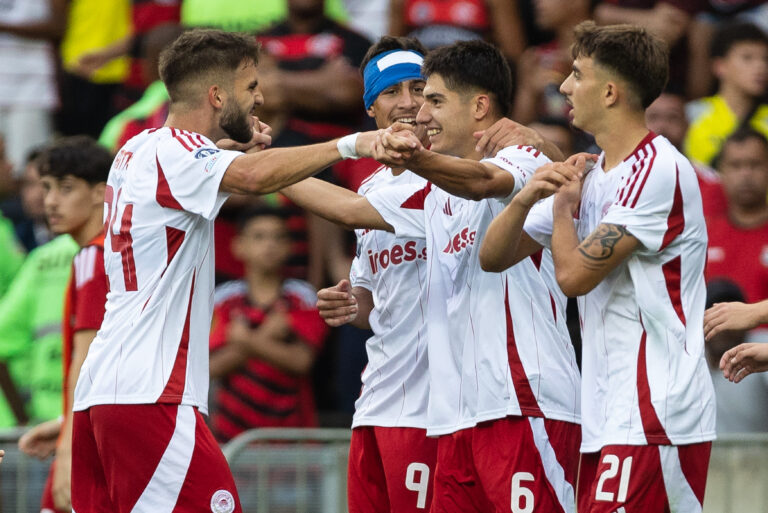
(304, 471)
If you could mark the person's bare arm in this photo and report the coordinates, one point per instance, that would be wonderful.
(581, 266)
(734, 316)
(397, 18)
(51, 28)
(507, 28)
(336, 204)
(505, 243)
(344, 304)
(505, 133)
(62, 471)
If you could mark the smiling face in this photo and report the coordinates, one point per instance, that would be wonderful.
(399, 102)
(241, 99)
(448, 117)
(583, 90)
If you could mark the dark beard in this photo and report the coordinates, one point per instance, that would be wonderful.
(236, 124)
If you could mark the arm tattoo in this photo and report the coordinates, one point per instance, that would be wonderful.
(598, 247)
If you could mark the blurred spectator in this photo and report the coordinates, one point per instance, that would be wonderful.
(666, 116)
(543, 68)
(244, 15)
(738, 241)
(26, 210)
(145, 15)
(265, 336)
(558, 131)
(30, 327)
(11, 254)
(736, 403)
(312, 91)
(88, 102)
(152, 108)
(740, 63)
(27, 73)
(369, 17)
(443, 22)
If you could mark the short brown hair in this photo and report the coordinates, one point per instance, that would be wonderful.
(632, 52)
(202, 52)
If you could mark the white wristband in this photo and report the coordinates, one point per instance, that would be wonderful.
(346, 146)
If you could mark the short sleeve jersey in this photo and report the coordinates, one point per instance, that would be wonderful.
(84, 302)
(161, 199)
(498, 343)
(645, 379)
(396, 381)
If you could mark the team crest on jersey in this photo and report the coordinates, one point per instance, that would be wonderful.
(764, 256)
(205, 152)
(222, 502)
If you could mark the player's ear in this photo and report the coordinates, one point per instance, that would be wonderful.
(371, 112)
(481, 106)
(216, 96)
(610, 94)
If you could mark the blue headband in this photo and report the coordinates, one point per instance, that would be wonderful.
(388, 69)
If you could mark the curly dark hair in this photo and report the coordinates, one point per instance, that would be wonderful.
(79, 156)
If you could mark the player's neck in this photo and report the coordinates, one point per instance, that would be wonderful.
(192, 120)
(748, 217)
(619, 137)
(263, 287)
(89, 230)
(739, 103)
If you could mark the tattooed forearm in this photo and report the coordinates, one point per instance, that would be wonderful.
(600, 244)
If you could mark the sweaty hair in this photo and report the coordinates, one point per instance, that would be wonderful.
(79, 156)
(633, 53)
(734, 33)
(389, 43)
(468, 65)
(742, 134)
(203, 53)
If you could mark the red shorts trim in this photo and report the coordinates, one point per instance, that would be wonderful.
(148, 457)
(644, 479)
(390, 470)
(524, 462)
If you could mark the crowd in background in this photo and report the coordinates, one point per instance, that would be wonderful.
(89, 67)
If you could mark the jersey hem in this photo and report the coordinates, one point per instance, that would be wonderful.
(107, 400)
(676, 440)
(377, 422)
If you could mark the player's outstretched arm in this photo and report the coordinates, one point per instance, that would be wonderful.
(465, 178)
(270, 170)
(344, 304)
(739, 362)
(580, 267)
(505, 133)
(336, 204)
(734, 316)
(505, 243)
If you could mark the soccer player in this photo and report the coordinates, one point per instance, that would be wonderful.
(503, 377)
(635, 257)
(391, 459)
(74, 174)
(140, 442)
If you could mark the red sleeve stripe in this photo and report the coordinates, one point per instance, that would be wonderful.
(529, 149)
(191, 139)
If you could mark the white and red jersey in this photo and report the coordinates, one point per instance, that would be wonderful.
(161, 198)
(396, 380)
(497, 342)
(645, 380)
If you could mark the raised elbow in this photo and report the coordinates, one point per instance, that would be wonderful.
(570, 285)
(491, 263)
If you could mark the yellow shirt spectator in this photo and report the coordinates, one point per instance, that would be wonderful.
(711, 122)
(92, 25)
